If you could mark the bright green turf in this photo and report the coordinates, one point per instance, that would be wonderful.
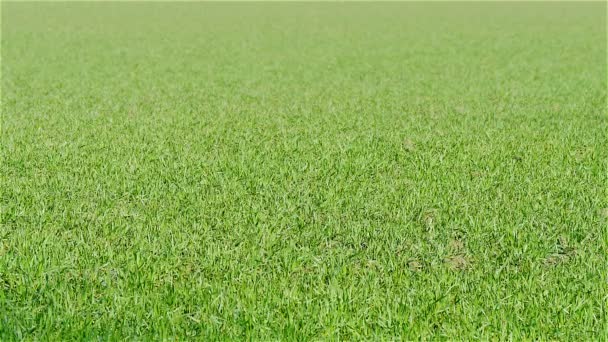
(324, 171)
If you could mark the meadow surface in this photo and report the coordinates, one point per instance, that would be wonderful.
(287, 171)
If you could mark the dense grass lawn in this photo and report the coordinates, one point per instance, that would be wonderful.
(303, 171)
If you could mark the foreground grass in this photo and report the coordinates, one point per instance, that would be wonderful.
(326, 171)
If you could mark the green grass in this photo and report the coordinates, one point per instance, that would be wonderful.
(303, 171)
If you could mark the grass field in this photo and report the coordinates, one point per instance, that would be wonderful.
(304, 171)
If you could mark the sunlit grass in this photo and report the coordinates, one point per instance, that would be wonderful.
(303, 171)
